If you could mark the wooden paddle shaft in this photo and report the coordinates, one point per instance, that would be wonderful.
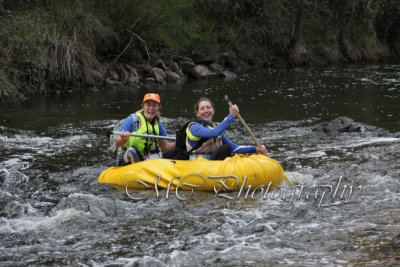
(243, 123)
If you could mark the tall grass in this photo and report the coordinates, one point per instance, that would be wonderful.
(50, 45)
(71, 49)
(21, 52)
(44, 51)
(9, 87)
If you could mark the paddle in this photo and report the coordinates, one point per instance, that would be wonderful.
(147, 136)
(243, 123)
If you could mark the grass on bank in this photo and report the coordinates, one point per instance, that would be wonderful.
(57, 47)
(56, 44)
(42, 51)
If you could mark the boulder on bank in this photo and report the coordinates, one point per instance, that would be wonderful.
(228, 75)
(131, 69)
(158, 74)
(341, 125)
(146, 69)
(110, 83)
(232, 62)
(202, 59)
(133, 76)
(186, 64)
(149, 80)
(133, 80)
(217, 68)
(202, 72)
(172, 77)
(95, 78)
(124, 75)
(174, 67)
(114, 75)
(159, 63)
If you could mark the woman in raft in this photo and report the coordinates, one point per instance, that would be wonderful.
(205, 139)
(132, 149)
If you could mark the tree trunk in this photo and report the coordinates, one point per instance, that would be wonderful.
(296, 30)
(342, 29)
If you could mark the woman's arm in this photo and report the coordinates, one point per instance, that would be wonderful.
(125, 129)
(199, 130)
(205, 132)
(243, 149)
(237, 148)
(164, 144)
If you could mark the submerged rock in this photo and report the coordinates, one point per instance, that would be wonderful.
(4, 173)
(341, 125)
(396, 244)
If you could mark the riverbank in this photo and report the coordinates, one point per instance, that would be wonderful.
(97, 45)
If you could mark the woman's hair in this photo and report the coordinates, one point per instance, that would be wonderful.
(196, 105)
(158, 113)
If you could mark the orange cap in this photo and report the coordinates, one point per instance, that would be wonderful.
(152, 96)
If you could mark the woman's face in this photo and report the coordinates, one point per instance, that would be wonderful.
(205, 111)
(150, 109)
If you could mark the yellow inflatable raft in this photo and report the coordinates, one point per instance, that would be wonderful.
(232, 174)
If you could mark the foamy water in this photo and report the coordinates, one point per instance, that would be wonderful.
(343, 207)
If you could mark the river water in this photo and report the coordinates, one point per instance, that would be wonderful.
(344, 209)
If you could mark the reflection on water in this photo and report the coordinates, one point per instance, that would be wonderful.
(52, 211)
(367, 94)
